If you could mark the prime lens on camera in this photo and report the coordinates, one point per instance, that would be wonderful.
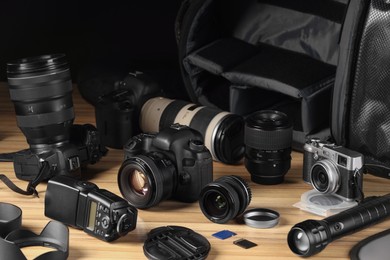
(222, 131)
(225, 198)
(173, 163)
(146, 180)
(268, 139)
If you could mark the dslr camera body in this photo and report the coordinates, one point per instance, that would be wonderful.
(333, 169)
(66, 158)
(117, 112)
(81, 204)
(173, 163)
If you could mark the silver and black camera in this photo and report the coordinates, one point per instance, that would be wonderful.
(333, 169)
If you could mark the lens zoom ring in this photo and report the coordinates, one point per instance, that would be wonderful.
(268, 140)
(41, 91)
(40, 120)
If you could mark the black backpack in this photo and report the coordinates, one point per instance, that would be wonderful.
(324, 63)
(247, 55)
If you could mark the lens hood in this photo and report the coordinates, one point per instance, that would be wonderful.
(229, 140)
(54, 235)
(10, 218)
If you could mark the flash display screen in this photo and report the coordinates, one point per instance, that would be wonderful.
(92, 216)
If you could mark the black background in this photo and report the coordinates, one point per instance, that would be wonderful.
(113, 36)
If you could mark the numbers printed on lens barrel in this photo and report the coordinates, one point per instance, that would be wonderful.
(268, 139)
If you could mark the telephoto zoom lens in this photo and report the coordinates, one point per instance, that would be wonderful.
(223, 132)
(41, 90)
(268, 139)
(225, 199)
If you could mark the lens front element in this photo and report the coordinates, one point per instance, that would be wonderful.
(325, 176)
(139, 182)
(225, 199)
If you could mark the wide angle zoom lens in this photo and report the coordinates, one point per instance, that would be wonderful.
(268, 140)
(223, 132)
(41, 90)
(224, 199)
(145, 180)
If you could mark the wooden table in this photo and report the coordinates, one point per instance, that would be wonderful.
(271, 242)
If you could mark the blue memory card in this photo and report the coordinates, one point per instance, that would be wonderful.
(224, 234)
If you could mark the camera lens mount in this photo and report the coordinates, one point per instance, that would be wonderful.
(325, 176)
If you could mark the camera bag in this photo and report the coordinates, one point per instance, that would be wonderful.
(249, 55)
(361, 97)
(325, 63)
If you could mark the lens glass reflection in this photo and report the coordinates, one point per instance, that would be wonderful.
(139, 182)
(301, 241)
(216, 204)
(320, 178)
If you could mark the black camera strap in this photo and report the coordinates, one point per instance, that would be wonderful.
(358, 182)
(44, 172)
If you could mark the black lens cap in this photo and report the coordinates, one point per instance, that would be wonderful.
(174, 242)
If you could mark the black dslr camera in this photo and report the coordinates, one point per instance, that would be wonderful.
(173, 163)
(333, 169)
(65, 159)
(117, 112)
(41, 90)
(80, 204)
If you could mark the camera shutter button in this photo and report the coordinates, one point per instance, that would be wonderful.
(196, 145)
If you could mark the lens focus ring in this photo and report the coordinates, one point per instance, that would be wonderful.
(268, 130)
(265, 140)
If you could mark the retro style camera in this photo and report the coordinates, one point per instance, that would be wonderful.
(81, 204)
(333, 169)
(173, 163)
